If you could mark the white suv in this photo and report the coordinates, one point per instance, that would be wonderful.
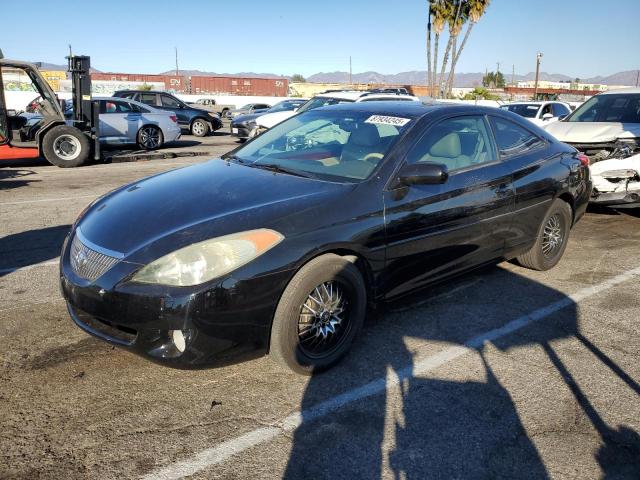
(332, 97)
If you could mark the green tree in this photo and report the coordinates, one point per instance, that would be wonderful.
(493, 80)
(145, 87)
(296, 77)
(480, 93)
(475, 9)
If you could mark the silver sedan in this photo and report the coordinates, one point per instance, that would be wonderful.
(124, 121)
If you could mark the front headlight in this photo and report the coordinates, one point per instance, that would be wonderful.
(203, 261)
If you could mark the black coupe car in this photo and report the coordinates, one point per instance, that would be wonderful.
(280, 246)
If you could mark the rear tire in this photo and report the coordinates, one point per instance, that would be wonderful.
(199, 128)
(552, 238)
(66, 146)
(150, 137)
(308, 343)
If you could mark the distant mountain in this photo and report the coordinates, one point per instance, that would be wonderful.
(464, 79)
(629, 77)
(58, 67)
(414, 77)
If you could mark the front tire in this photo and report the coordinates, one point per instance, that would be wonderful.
(552, 239)
(199, 128)
(319, 315)
(66, 146)
(150, 137)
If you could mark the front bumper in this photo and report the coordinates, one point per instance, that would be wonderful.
(240, 131)
(224, 322)
(616, 199)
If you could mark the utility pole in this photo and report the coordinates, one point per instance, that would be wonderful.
(350, 72)
(637, 77)
(513, 74)
(70, 52)
(177, 70)
(535, 89)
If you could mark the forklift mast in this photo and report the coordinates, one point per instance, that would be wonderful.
(80, 69)
(85, 111)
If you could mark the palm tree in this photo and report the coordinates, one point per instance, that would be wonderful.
(456, 17)
(429, 15)
(440, 12)
(475, 10)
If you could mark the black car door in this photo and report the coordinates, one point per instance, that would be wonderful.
(437, 230)
(171, 104)
(531, 161)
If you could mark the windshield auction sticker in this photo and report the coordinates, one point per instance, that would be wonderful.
(384, 120)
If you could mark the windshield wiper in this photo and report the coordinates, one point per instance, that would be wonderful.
(235, 158)
(280, 169)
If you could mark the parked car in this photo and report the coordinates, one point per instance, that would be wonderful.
(244, 126)
(197, 121)
(279, 246)
(127, 122)
(248, 108)
(607, 129)
(331, 97)
(540, 113)
(211, 105)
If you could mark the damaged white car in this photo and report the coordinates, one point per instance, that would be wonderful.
(607, 129)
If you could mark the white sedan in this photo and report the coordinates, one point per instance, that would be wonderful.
(124, 121)
(540, 113)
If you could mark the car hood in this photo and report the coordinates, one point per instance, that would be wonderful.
(247, 117)
(191, 204)
(592, 132)
(270, 119)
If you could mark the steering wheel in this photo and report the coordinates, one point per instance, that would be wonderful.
(373, 156)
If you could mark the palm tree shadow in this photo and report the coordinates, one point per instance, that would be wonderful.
(431, 427)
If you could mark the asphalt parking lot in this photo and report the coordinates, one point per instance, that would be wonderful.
(503, 373)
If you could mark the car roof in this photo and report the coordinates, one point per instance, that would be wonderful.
(128, 100)
(142, 91)
(354, 95)
(411, 110)
(630, 90)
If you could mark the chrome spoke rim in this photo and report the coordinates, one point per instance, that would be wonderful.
(552, 236)
(323, 320)
(150, 137)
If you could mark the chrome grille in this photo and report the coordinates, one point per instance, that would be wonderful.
(87, 263)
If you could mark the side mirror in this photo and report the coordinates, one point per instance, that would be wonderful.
(423, 174)
(547, 116)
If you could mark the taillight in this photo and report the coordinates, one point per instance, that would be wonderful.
(584, 160)
(173, 118)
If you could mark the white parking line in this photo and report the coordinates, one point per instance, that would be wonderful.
(220, 453)
(4, 271)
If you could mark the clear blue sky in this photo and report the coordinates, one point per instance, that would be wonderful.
(578, 37)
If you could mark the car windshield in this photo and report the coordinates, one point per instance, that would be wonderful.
(614, 107)
(318, 102)
(247, 106)
(330, 145)
(527, 110)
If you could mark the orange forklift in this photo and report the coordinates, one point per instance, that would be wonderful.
(41, 128)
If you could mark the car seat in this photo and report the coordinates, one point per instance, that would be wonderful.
(447, 151)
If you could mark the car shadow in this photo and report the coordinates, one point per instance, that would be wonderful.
(424, 426)
(31, 247)
(10, 179)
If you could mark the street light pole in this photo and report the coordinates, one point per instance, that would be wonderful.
(535, 89)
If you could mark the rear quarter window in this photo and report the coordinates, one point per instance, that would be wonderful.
(512, 139)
